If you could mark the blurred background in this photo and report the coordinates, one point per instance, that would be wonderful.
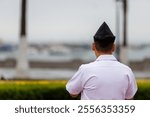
(50, 39)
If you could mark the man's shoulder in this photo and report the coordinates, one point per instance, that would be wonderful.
(122, 65)
(87, 65)
(117, 64)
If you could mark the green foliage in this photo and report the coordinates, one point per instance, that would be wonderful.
(33, 90)
(143, 92)
(52, 90)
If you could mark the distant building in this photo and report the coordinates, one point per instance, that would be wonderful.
(143, 65)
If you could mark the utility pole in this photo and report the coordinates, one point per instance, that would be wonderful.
(22, 62)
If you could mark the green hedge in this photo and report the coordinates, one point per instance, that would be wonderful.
(51, 90)
(143, 92)
(33, 90)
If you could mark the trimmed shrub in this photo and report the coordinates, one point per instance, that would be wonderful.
(143, 92)
(33, 90)
(52, 90)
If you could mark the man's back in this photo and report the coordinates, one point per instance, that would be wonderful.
(104, 78)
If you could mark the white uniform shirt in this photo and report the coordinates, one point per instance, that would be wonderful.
(105, 78)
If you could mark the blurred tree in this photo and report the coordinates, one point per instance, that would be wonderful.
(124, 48)
(125, 23)
(22, 63)
(118, 29)
(23, 19)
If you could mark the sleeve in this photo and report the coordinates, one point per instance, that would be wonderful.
(132, 86)
(74, 85)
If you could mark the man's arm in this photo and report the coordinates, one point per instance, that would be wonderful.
(74, 85)
(74, 95)
(132, 86)
(130, 98)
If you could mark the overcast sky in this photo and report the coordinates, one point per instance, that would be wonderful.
(72, 20)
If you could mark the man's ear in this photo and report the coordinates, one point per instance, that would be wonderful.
(93, 46)
(113, 48)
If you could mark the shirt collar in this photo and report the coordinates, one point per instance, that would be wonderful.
(106, 58)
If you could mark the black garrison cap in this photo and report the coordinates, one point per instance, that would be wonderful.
(104, 34)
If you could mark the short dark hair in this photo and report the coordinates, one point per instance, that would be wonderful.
(104, 45)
